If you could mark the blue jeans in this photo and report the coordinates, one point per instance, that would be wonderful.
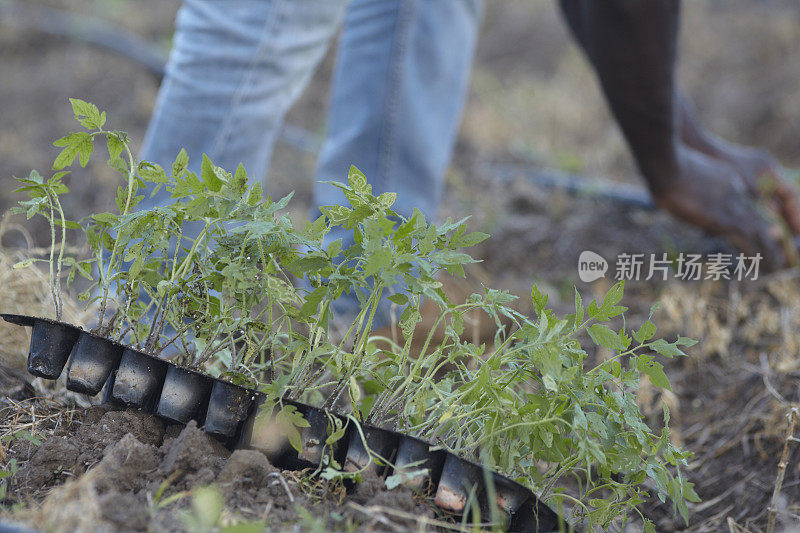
(401, 75)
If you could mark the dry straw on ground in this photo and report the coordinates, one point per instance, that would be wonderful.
(26, 291)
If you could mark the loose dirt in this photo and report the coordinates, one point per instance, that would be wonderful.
(127, 471)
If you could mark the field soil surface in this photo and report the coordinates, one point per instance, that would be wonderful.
(85, 468)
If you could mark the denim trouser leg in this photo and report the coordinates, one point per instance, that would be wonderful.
(235, 68)
(398, 89)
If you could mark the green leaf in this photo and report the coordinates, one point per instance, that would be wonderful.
(87, 114)
(609, 308)
(646, 365)
(471, 239)
(290, 420)
(107, 219)
(209, 175)
(25, 434)
(115, 146)
(377, 261)
(578, 308)
(25, 264)
(334, 248)
(685, 341)
(181, 162)
(311, 305)
(399, 299)
(667, 349)
(74, 145)
(387, 199)
(152, 173)
(539, 300)
(357, 180)
(449, 257)
(645, 332)
(607, 338)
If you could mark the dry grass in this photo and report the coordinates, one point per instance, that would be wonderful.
(738, 392)
(26, 291)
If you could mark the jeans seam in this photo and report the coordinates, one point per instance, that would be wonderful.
(227, 125)
(387, 146)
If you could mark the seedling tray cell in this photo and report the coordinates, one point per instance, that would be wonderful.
(377, 455)
(92, 360)
(227, 409)
(51, 344)
(184, 396)
(462, 482)
(138, 380)
(416, 454)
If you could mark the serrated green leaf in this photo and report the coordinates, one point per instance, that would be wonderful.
(666, 349)
(646, 365)
(604, 336)
(377, 261)
(115, 146)
(645, 332)
(539, 300)
(312, 301)
(387, 199)
(357, 180)
(209, 175)
(87, 114)
(74, 145)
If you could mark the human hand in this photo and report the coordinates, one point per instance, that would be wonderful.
(720, 196)
(765, 179)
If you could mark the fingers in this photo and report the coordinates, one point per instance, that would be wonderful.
(764, 177)
(711, 194)
(788, 205)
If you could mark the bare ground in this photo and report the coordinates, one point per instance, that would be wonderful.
(535, 104)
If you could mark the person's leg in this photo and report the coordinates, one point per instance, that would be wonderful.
(235, 68)
(398, 89)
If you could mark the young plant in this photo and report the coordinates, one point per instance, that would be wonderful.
(527, 403)
(211, 271)
(44, 200)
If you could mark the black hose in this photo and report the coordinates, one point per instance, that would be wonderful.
(576, 184)
(88, 29)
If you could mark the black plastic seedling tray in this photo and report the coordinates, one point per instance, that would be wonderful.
(232, 414)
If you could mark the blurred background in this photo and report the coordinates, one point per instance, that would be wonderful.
(533, 99)
(533, 104)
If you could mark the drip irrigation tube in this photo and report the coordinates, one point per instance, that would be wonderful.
(84, 28)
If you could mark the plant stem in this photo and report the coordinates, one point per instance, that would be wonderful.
(53, 292)
(107, 281)
(773, 505)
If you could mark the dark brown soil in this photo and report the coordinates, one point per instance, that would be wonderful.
(121, 466)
